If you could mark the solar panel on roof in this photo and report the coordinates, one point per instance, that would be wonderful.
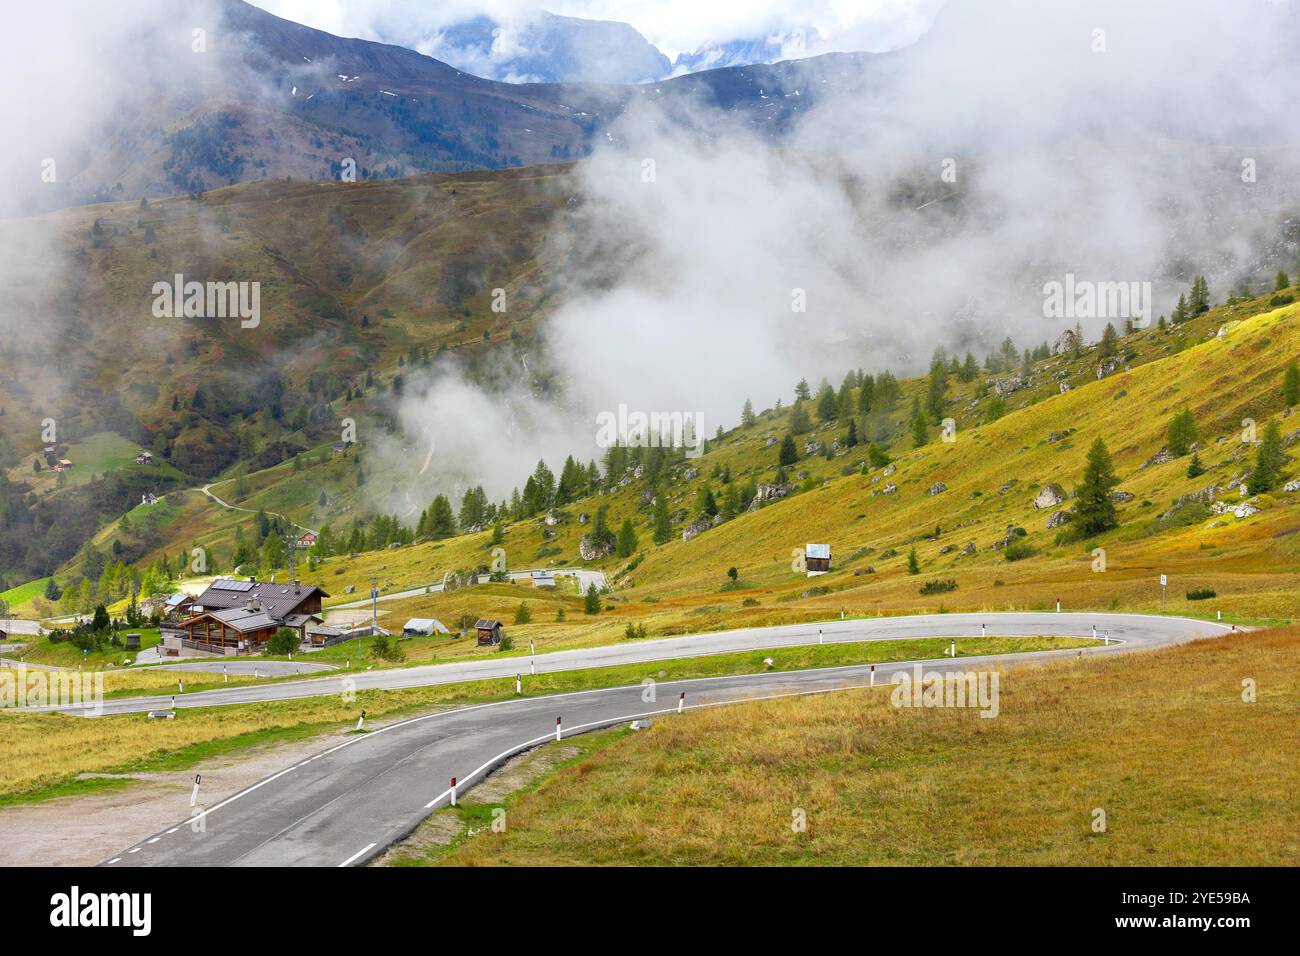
(226, 585)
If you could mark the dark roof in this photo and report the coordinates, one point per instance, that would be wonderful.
(278, 600)
(488, 625)
(239, 619)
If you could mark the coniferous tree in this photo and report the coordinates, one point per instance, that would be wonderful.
(1200, 300)
(827, 407)
(441, 523)
(920, 433)
(1269, 461)
(1282, 281)
(1182, 433)
(1180, 313)
(747, 416)
(866, 393)
(799, 422)
(1291, 384)
(663, 529)
(788, 453)
(1094, 509)
(626, 542)
(938, 385)
(1109, 337)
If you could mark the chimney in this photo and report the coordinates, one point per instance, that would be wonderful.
(297, 588)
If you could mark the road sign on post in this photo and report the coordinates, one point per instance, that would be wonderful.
(1163, 582)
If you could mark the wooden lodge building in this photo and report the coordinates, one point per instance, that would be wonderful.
(239, 617)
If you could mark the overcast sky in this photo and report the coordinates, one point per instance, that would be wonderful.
(674, 26)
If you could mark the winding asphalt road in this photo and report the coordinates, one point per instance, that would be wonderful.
(1135, 629)
(347, 803)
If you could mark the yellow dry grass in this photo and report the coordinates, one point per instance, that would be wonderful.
(1186, 772)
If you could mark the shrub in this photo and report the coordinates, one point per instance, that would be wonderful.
(1019, 550)
(938, 587)
(634, 631)
(283, 641)
(384, 648)
(1201, 594)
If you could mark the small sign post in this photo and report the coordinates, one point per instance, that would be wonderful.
(1163, 582)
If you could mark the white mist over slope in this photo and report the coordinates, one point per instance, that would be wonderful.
(1115, 156)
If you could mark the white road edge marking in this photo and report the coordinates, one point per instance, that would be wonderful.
(365, 849)
(197, 700)
(1116, 643)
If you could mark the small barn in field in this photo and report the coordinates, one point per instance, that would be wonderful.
(817, 558)
(489, 632)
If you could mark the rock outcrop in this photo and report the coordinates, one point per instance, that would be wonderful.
(1050, 495)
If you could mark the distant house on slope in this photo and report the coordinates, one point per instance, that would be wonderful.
(307, 539)
(144, 458)
(817, 558)
(63, 465)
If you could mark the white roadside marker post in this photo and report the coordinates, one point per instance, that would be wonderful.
(453, 791)
(681, 702)
(180, 686)
(820, 640)
(952, 649)
(1218, 615)
(519, 684)
(1058, 605)
(194, 794)
(873, 675)
(361, 721)
(173, 701)
(1105, 639)
(1094, 632)
(557, 728)
(981, 630)
(225, 674)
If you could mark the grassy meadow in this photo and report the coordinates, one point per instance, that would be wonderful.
(1185, 770)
